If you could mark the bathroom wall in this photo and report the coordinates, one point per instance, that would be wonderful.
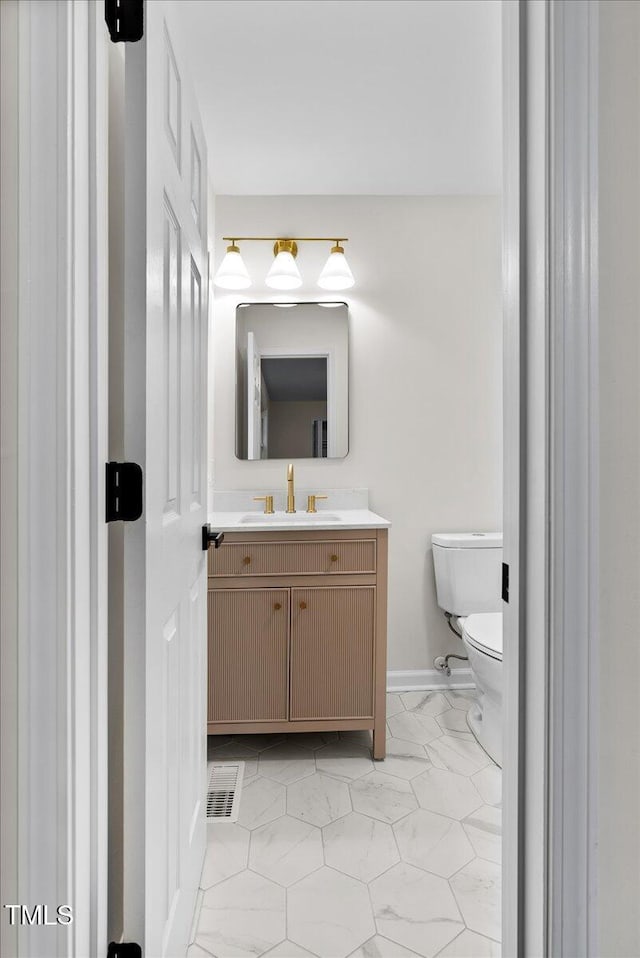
(619, 561)
(425, 429)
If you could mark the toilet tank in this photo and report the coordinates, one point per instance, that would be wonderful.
(468, 567)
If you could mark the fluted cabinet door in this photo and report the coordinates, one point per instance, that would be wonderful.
(332, 652)
(248, 655)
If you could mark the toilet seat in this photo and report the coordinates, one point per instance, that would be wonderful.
(483, 631)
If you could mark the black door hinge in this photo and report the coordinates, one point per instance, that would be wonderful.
(505, 582)
(124, 949)
(124, 20)
(123, 491)
(209, 537)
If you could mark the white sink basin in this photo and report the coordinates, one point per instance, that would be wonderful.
(279, 518)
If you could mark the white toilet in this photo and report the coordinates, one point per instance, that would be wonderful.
(468, 569)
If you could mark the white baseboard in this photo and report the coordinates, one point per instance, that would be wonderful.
(426, 680)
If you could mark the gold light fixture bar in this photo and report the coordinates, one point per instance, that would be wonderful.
(298, 239)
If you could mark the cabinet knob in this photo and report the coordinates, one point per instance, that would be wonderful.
(303, 605)
(277, 605)
(246, 560)
(334, 558)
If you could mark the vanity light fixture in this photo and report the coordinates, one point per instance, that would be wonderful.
(232, 274)
(336, 274)
(284, 273)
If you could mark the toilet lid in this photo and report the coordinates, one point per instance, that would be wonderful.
(484, 632)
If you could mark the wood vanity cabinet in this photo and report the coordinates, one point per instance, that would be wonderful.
(297, 632)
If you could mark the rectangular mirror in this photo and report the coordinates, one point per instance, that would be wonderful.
(292, 389)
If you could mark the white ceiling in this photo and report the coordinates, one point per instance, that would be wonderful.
(348, 96)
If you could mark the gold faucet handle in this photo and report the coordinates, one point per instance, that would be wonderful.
(311, 502)
(268, 504)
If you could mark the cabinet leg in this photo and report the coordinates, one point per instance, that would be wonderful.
(379, 741)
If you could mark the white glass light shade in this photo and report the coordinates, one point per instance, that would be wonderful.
(336, 273)
(232, 273)
(284, 273)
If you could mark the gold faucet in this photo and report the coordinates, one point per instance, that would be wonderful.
(311, 502)
(291, 499)
(268, 504)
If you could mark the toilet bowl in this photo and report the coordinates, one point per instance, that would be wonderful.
(482, 638)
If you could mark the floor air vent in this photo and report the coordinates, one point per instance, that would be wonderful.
(223, 791)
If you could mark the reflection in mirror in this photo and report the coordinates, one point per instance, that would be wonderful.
(292, 381)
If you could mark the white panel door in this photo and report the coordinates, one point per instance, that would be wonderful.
(165, 576)
(254, 397)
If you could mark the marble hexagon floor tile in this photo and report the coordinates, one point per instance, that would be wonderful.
(404, 759)
(361, 737)
(488, 781)
(244, 915)
(259, 742)
(313, 740)
(359, 846)
(477, 888)
(329, 913)
(262, 801)
(461, 698)
(394, 704)
(453, 720)
(286, 763)
(468, 944)
(415, 909)
(289, 949)
(217, 741)
(318, 799)
(433, 842)
(382, 796)
(378, 947)
(429, 703)
(446, 793)
(457, 754)
(484, 830)
(195, 951)
(470, 737)
(227, 852)
(286, 850)
(344, 760)
(414, 727)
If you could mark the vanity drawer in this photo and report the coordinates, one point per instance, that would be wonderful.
(320, 557)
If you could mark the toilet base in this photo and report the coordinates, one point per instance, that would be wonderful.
(486, 728)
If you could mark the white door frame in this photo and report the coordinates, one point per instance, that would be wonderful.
(551, 477)
(54, 447)
(54, 415)
(574, 478)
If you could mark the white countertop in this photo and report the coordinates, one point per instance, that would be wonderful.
(323, 519)
(236, 511)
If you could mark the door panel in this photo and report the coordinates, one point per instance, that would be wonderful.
(248, 655)
(195, 382)
(332, 652)
(166, 283)
(170, 394)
